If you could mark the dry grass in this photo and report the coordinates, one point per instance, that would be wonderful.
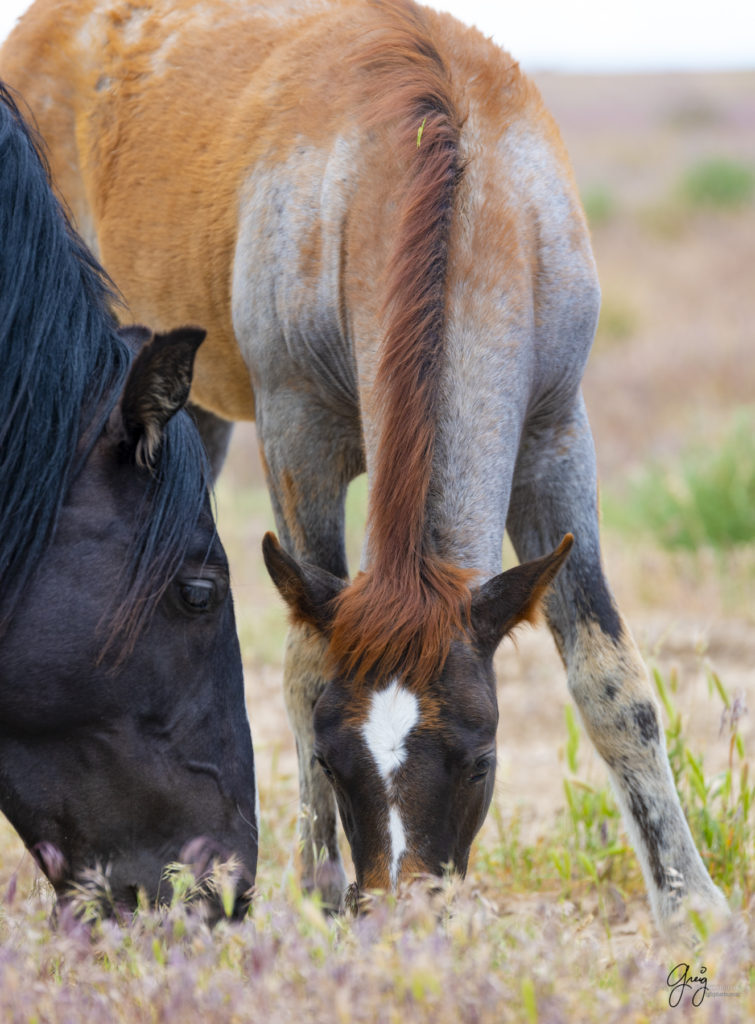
(458, 959)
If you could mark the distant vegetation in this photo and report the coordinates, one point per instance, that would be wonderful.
(618, 320)
(718, 183)
(599, 204)
(706, 499)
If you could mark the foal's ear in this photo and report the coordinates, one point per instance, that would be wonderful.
(158, 387)
(513, 596)
(307, 590)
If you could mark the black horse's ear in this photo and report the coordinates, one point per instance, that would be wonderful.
(514, 596)
(158, 386)
(307, 590)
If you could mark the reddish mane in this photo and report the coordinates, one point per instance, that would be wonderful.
(403, 611)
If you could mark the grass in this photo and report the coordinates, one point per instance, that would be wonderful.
(718, 807)
(587, 850)
(532, 935)
(707, 499)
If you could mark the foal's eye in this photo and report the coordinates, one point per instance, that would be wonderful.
(323, 764)
(481, 768)
(198, 595)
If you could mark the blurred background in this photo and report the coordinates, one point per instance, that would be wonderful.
(592, 35)
(656, 103)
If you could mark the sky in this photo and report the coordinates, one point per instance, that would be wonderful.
(596, 35)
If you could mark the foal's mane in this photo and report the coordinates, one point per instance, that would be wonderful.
(403, 611)
(63, 368)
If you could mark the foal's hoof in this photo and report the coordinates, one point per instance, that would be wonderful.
(351, 900)
(689, 919)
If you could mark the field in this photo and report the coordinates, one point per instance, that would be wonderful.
(551, 923)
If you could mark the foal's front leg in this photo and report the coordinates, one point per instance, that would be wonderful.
(303, 682)
(555, 491)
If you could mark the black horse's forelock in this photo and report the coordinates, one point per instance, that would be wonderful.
(62, 369)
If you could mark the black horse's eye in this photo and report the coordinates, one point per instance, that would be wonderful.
(198, 595)
(481, 768)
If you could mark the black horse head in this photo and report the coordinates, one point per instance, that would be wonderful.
(124, 741)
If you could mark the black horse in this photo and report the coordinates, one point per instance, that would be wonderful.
(124, 741)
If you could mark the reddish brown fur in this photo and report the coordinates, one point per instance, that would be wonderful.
(405, 609)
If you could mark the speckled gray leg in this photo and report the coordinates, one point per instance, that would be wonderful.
(555, 492)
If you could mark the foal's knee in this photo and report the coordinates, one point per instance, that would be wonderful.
(609, 684)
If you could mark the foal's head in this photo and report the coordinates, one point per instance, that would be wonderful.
(413, 766)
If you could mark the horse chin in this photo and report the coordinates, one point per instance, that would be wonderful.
(92, 886)
(221, 888)
(432, 891)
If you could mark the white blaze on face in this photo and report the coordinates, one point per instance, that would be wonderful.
(398, 842)
(393, 714)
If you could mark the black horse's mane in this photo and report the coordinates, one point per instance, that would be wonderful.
(62, 369)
